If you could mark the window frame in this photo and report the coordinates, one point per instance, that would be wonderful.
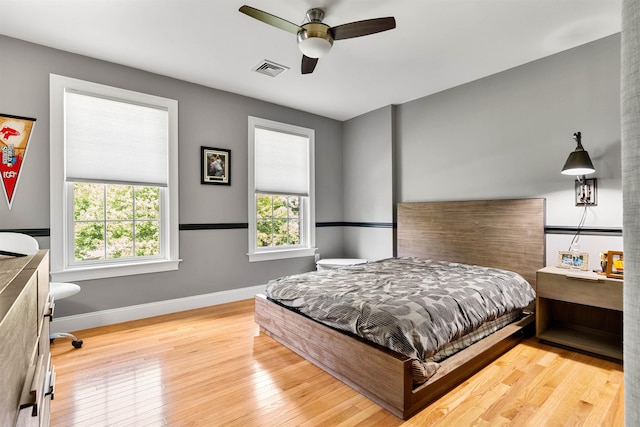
(63, 267)
(307, 203)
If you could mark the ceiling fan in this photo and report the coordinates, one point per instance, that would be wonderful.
(315, 38)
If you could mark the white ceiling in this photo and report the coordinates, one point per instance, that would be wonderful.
(437, 44)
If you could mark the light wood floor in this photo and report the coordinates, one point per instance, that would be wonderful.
(212, 367)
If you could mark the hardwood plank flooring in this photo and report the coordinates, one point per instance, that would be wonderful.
(212, 367)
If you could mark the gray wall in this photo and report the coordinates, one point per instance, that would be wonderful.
(368, 184)
(213, 260)
(508, 136)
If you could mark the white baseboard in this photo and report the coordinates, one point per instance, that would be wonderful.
(124, 314)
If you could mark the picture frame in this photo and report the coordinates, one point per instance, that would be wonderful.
(615, 265)
(569, 259)
(215, 166)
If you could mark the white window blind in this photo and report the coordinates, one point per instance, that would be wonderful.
(281, 163)
(108, 140)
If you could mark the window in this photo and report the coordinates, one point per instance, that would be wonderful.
(115, 221)
(281, 190)
(114, 181)
(278, 220)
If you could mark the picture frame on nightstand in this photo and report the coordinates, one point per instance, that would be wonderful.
(615, 265)
(568, 259)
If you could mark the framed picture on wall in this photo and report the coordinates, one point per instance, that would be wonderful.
(216, 166)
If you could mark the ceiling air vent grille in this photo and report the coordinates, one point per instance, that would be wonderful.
(270, 68)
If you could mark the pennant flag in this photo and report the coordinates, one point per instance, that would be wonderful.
(15, 133)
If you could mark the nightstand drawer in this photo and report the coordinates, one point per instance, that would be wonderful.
(601, 293)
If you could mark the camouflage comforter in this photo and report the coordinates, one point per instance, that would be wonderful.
(410, 305)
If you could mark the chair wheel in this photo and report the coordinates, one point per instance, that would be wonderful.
(76, 343)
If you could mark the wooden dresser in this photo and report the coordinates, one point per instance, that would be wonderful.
(26, 373)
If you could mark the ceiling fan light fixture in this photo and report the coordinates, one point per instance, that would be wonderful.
(315, 40)
(315, 47)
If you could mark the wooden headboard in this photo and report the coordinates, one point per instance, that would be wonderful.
(506, 234)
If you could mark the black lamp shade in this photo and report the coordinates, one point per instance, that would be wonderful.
(578, 163)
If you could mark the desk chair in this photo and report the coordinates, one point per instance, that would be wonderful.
(23, 244)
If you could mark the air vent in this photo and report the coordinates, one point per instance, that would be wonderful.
(269, 68)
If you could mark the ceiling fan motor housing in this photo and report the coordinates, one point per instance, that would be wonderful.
(315, 39)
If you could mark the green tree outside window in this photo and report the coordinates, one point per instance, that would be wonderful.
(115, 221)
(278, 220)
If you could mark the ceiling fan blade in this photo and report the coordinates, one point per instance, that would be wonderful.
(363, 28)
(270, 19)
(308, 64)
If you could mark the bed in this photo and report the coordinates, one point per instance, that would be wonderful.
(503, 234)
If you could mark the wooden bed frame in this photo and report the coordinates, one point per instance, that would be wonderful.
(505, 234)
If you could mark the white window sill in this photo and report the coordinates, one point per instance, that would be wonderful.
(281, 254)
(116, 270)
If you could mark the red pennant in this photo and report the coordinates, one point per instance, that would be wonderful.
(15, 133)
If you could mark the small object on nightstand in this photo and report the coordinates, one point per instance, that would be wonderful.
(577, 259)
(603, 261)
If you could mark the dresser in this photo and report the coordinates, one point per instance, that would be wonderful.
(581, 310)
(26, 374)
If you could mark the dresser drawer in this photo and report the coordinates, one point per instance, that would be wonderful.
(596, 293)
(18, 335)
(36, 394)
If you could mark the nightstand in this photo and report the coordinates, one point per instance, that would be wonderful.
(580, 310)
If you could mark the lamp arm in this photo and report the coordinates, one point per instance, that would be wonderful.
(578, 138)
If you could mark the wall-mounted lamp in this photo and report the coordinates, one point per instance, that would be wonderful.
(579, 163)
